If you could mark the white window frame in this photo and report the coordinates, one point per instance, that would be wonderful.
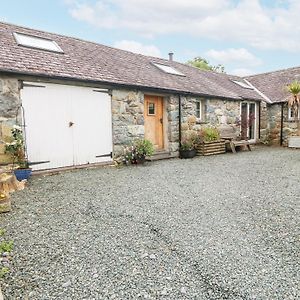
(290, 117)
(18, 37)
(256, 116)
(168, 69)
(198, 112)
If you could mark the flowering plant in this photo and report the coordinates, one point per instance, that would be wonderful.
(16, 147)
(137, 151)
(189, 140)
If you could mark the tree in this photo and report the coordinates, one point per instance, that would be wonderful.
(203, 64)
(294, 101)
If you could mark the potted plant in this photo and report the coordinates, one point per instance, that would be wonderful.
(16, 148)
(188, 144)
(294, 105)
(210, 142)
(137, 152)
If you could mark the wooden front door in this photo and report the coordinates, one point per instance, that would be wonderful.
(153, 115)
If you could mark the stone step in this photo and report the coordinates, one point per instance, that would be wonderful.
(161, 155)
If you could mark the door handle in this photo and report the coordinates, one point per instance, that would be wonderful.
(71, 124)
(161, 120)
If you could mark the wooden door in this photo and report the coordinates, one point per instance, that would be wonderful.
(153, 114)
(66, 125)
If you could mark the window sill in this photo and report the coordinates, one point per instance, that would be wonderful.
(199, 122)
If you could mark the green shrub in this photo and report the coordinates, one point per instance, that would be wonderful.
(209, 134)
(6, 246)
(3, 272)
(137, 151)
(143, 147)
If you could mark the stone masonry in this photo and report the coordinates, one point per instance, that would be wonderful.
(215, 112)
(9, 107)
(289, 127)
(127, 118)
(264, 123)
(172, 110)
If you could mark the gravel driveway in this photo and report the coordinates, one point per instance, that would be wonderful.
(222, 227)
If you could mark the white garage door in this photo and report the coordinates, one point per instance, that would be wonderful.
(66, 125)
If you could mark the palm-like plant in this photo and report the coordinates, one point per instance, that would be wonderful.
(294, 101)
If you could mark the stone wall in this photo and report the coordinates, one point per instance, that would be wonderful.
(264, 123)
(215, 112)
(127, 118)
(289, 127)
(9, 107)
(172, 109)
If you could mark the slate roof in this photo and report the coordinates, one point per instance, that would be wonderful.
(273, 84)
(85, 60)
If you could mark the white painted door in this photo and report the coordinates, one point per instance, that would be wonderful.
(66, 125)
(92, 127)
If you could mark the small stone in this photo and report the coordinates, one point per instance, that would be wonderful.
(95, 276)
(183, 290)
(152, 256)
(164, 292)
(5, 264)
(66, 284)
(144, 255)
(4, 254)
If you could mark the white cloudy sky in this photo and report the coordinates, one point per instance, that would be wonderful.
(246, 36)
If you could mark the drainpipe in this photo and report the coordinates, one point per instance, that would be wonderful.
(179, 117)
(281, 125)
(259, 117)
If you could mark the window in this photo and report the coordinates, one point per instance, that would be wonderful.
(151, 109)
(291, 114)
(168, 69)
(243, 84)
(36, 42)
(198, 109)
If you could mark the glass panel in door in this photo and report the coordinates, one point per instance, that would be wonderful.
(244, 121)
(251, 121)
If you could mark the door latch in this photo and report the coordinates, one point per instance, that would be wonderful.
(161, 120)
(71, 124)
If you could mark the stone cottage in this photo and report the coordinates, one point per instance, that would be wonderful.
(278, 121)
(80, 102)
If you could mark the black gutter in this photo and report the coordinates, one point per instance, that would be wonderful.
(259, 117)
(281, 125)
(118, 85)
(179, 119)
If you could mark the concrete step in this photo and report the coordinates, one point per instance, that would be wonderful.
(161, 155)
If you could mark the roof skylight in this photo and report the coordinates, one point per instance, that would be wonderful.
(243, 84)
(168, 69)
(37, 42)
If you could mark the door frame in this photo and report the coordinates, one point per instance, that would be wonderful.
(256, 118)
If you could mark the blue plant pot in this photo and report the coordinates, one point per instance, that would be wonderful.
(22, 174)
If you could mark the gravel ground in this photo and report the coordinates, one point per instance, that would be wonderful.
(222, 227)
